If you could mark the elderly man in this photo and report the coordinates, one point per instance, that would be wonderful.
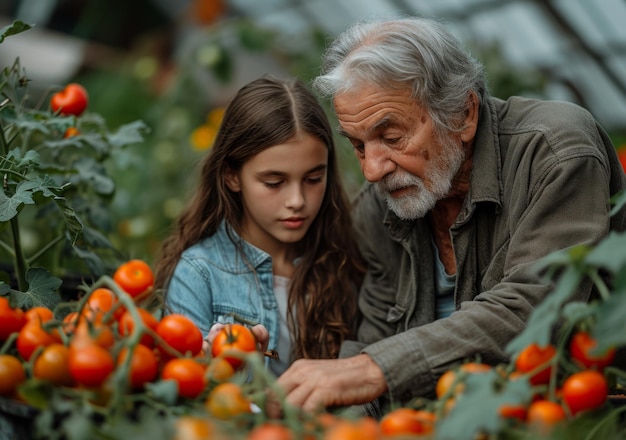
(465, 193)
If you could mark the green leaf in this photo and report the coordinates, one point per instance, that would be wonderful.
(72, 222)
(611, 329)
(14, 28)
(42, 289)
(129, 134)
(94, 174)
(618, 201)
(165, 391)
(10, 206)
(543, 318)
(91, 259)
(609, 253)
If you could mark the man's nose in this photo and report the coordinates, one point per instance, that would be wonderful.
(376, 163)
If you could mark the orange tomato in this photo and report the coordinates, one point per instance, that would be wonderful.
(407, 421)
(445, 381)
(87, 333)
(226, 401)
(544, 415)
(233, 341)
(100, 302)
(194, 428)
(134, 277)
(364, 428)
(270, 431)
(40, 313)
(220, 370)
(52, 365)
(180, 333)
(12, 374)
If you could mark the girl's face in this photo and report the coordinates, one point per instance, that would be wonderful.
(282, 189)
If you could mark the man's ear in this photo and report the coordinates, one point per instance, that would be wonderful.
(471, 119)
(232, 180)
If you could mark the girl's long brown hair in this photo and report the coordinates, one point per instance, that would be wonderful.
(322, 290)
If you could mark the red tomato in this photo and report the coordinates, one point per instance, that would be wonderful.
(585, 391)
(536, 360)
(134, 277)
(32, 336)
(40, 313)
(100, 302)
(90, 365)
(144, 366)
(188, 374)
(11, 320)
(72, 100)
(233, 341)
(180, 333)
(581, 348)
(126, 325)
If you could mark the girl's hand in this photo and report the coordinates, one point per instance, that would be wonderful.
(259, 331)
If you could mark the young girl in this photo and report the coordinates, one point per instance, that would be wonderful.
(267, 235)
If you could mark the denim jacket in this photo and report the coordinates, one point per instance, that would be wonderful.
(212, 281)
(543, 173)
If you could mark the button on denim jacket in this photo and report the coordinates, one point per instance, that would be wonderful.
(212, 281)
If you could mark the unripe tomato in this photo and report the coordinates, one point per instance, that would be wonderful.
(72, 100)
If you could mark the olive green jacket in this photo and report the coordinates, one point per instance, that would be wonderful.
(542, 176)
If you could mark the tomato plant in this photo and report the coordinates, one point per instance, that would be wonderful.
(134, 277)
(226, 401)
(232, 342)
(11, 319)
(188, 374)
(180, 333)
(90, 365)
(12, 374)
(52, 365)
(582, 347)
(584, 391)
(126, 325)
(144, 366)
(537, 362)
(72, 100)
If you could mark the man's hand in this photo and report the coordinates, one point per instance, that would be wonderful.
(316, 384)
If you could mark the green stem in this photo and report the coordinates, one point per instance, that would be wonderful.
(604, 420)
(6, 247)
(600, 284)
(19, 259)
(44, 249)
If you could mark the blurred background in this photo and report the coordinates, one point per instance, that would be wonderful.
(174, 64)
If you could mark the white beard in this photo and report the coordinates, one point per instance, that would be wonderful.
(419, 200)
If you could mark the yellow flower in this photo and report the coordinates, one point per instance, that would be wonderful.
(202, 138)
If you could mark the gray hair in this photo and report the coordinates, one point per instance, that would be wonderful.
(408, 52)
